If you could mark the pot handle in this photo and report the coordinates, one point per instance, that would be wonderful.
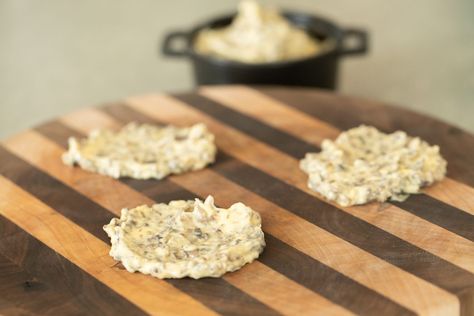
(168, 48)
(359, 45)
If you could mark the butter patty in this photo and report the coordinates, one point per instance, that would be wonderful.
(186, 238)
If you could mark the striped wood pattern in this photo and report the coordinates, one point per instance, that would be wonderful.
(415, 257)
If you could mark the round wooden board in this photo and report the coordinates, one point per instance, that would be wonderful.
(415, 257)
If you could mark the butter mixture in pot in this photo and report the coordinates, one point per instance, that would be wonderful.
(364, 164)
(186, 238)
(257, 35)
(143, 151)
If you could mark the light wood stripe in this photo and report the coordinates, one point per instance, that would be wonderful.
(86, 120)
(302, 234)
(91, 254)
(309, 128)
(114, 195)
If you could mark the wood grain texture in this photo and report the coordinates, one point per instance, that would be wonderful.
(79, 124)
(163, 193)
(454, 193)
(50, 152)
(91, 254)
(414, 257)
(37, 280)
(374, 302)
(263, 159)
(92, 217)
(207, 182)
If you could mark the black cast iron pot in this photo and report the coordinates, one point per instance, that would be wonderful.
(319, 70)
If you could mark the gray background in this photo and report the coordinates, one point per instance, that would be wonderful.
(59, 55)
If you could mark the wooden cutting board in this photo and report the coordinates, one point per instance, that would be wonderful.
(415, 257)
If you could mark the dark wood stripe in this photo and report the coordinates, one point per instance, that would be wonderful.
(344, 296)
(159, 191)
(283, 141)
(56, 194)
(124, 114)
(91, 216)
(348, 227)
(440, 213)
(452, 219)
(223, 297)
(29, 273)
(466, 297)
(291, 262)
(457, 146)
(58, 132)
